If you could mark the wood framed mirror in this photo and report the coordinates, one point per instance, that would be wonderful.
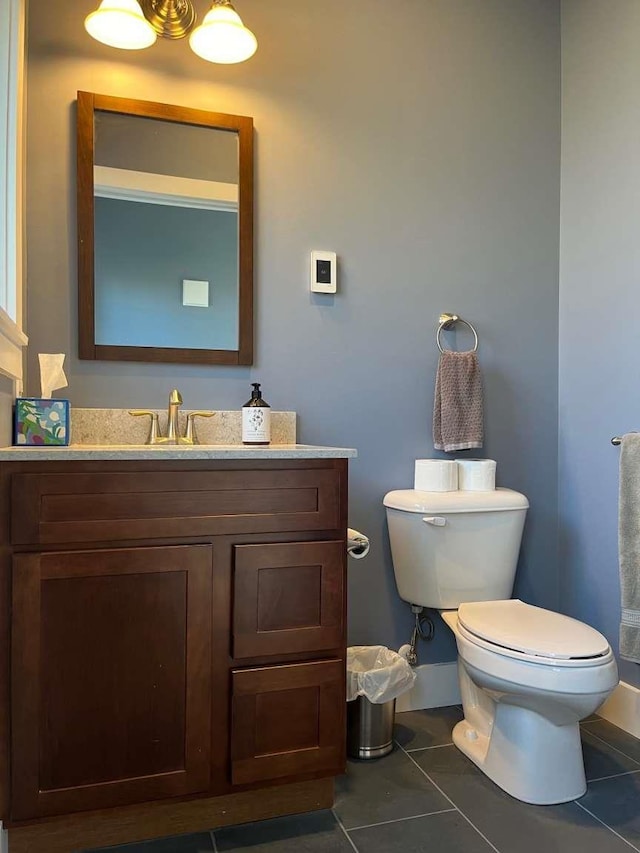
(165, 233)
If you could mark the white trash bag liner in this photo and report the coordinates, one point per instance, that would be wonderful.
(377, 673)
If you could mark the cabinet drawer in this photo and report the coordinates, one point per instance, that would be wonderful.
(97, 507)
(288, 720)
(288, 598)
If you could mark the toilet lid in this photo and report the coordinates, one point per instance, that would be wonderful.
(531, 630)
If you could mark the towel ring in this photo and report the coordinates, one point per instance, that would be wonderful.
(446, 321)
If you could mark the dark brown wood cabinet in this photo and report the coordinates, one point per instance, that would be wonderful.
(287, 720)
(287, 597)
(111, 677)
(175, 630)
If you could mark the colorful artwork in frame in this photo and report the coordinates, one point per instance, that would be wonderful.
(41, 422)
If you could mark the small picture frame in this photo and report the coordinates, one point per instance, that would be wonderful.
(39, 422)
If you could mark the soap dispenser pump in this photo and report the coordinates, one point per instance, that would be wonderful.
(256, 418)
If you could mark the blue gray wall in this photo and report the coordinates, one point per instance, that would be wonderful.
(424, 148)
(142, 253)
(599, 297)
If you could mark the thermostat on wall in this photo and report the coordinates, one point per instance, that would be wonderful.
(324, 277)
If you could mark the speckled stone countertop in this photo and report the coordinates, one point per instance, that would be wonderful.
(103, 434)
(123, 452)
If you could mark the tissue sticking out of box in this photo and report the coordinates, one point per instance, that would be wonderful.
(52, 375)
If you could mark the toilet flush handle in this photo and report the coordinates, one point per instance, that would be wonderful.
(436, 520)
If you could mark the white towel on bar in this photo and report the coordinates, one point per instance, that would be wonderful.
(629, 546)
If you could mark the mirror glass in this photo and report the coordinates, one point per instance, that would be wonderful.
(166, 280)
(165, 214)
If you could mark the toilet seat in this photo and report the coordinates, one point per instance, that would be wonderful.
(521, 631)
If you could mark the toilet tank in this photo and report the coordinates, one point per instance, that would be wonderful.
(452, 547)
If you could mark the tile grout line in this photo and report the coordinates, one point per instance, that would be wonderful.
(459, 810)
(611, 746)
(606, 825)
(422, 748)
(613, 776)
(399, 819)
(213, 840)
(346, 834)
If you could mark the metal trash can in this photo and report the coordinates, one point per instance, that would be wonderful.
(370, 728)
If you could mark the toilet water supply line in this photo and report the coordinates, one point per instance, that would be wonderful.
(410, 652)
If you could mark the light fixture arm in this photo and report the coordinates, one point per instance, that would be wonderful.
(173, 19)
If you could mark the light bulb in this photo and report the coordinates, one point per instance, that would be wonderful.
(120, 23)
(222, 37)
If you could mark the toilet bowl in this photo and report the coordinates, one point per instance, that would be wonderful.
(527, 675)
(523, 703)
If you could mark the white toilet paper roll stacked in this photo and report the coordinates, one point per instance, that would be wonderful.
(436, 475)
(476, 475)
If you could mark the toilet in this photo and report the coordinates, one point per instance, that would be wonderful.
(527, 675)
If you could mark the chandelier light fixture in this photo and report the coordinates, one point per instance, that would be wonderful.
(133, 25)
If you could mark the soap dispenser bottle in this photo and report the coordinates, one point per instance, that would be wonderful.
(256, 419)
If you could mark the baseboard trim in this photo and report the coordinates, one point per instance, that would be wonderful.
(436, 685)
(622, 708)
(137, 823)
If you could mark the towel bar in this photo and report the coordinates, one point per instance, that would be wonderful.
(446, 321)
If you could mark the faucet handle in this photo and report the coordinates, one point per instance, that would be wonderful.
(190, 436)
(154, 431)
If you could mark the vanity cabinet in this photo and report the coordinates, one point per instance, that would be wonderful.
(175, 630)
(111, 677)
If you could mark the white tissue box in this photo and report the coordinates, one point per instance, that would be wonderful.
(39, 422)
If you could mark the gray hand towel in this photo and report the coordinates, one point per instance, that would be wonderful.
(458, 409)
(629, 546)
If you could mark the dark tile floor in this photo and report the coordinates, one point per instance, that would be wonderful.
(426, 796)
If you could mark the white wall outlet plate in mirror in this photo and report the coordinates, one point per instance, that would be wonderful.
(195, 293)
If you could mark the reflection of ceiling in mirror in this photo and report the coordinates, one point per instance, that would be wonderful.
(127, 185)
(165, 147)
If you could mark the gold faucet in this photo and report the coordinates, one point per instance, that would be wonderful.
(173, 431)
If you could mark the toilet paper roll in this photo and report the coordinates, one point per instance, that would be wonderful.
(436, 475)
(476, 475)
(358, 544)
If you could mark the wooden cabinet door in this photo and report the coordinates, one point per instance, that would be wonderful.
(111, 677)
(287, 721)
(288, 598)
